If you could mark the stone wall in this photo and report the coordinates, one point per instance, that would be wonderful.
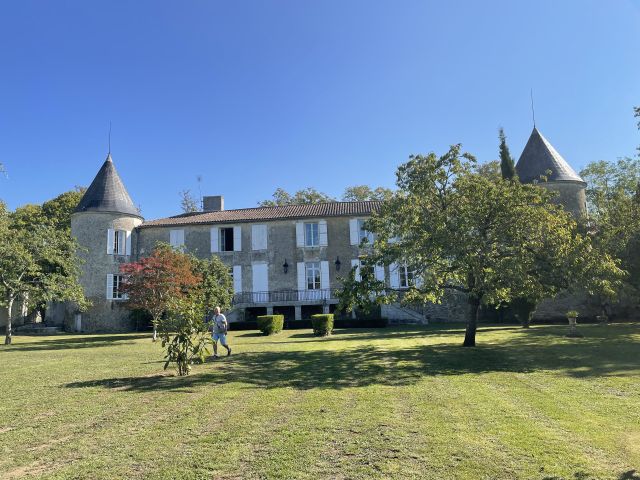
(281, 246)
(90, 229)
(571, 195)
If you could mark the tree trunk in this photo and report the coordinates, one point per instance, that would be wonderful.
(472, 323)
(155, 328)
(7, 338)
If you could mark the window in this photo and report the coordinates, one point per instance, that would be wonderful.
(114, 283)
(406, 277)
(313, 275)
(258, 237)
(118, 242)
(362, 233)
(226, 239)
(311, 235)
(176, 238)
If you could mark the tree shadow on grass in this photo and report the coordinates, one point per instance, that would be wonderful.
(370, 365)
(71, 342)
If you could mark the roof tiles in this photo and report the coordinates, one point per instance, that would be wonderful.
(538, 157)
(330, 209)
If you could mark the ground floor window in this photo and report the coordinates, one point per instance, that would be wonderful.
(406, 277)
(114, 287)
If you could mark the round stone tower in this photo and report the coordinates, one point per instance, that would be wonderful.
(540, 159)
(104, 225)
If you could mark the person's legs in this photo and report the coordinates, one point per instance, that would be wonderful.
(215, 345)
(223, 342)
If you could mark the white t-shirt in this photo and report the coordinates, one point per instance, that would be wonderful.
(220, 324)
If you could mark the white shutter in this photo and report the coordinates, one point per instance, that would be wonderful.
(356, 263)
(176, 238)
(110, 240)
(419, 282)
(260, 281)
(299, 234)
(237, 279)
(128, 243)
(322, 233)
(109, 286)
(324, 275)
(215, 239)
(379, 272)
(354, 231)
(302, 284)
(237, 239)
(394, 276)
(393, 240)
(258, 237)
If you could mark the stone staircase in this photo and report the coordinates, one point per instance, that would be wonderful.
(404, 315)
(37, 329)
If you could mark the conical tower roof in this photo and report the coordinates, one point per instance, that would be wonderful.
(539, 156)
(107, 193)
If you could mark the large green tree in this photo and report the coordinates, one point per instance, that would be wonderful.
(613, 197)
(307, 195)
(310, 195)
(492, 239)
(38, 263)
(365, 192)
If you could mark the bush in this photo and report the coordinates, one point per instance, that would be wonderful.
(322, 324)
(270, 324)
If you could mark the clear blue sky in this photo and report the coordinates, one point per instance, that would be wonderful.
(257, 95)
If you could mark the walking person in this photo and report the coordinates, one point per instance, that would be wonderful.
(220, 327)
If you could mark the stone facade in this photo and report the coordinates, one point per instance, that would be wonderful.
(107, 208)
(571, 195)
(91, 231)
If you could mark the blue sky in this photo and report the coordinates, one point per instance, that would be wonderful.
(266, 94)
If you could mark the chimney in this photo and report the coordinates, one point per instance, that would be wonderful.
(213, 203)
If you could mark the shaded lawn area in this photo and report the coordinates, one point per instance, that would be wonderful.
(396, 403)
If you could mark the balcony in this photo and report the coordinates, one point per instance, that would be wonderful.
(284, 297)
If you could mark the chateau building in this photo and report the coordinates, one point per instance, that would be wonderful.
(285, 259)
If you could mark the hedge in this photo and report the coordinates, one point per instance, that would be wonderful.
(270, 324)
(322, 324)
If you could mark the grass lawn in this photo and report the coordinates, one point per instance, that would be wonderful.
(396, 403)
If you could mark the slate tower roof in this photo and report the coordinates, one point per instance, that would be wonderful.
(539, 156)
(107, 193)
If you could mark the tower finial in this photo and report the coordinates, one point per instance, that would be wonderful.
(109, 137)
(533, 112)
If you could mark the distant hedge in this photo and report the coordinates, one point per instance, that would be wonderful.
(270, 324)
(322, 324)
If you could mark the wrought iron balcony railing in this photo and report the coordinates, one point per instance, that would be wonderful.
(279, 296)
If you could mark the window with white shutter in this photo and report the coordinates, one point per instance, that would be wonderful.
(117, 241)
(237, 278)
(237, 239)
(323, 237)
(258, 237)
(215, 239)
(176, 238)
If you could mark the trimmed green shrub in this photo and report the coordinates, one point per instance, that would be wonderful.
(270, 324)
(322, 324)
